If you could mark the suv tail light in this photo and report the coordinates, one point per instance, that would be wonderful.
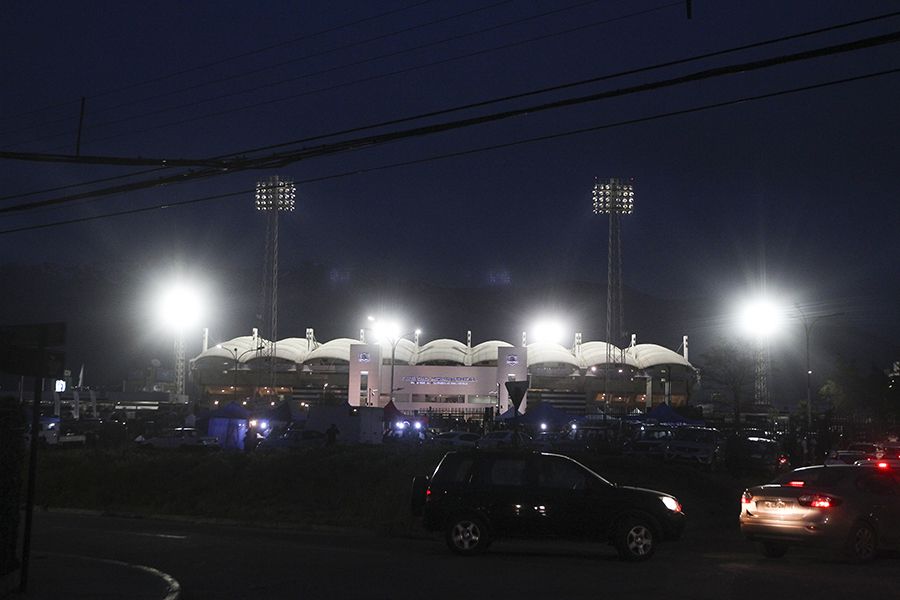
(818, 501)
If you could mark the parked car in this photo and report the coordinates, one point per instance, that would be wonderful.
(891, 451)
(603, 439)
(869, 449)
(292, 439)
(697, 445)
(649, 441)
(505, 439)
(844, 457)
(851, 510)
(181, 438)
(475, 497)
(456, 439)
(755, 455)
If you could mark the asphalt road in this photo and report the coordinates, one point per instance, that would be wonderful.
(226, 561)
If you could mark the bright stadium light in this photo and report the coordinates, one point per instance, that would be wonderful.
(550, 331)
(390, 332)
(180, 307)
(761, 317)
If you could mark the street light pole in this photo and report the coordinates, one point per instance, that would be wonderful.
(808, 326)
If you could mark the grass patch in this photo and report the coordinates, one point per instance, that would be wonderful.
(345, 486)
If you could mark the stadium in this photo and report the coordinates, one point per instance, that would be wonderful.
(443, 376)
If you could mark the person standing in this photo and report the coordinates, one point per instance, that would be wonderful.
(331, 435)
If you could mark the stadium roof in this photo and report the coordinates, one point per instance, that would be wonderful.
(443, 351)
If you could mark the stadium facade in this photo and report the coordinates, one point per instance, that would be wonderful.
(442, 376)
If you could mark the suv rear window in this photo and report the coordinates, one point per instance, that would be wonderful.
(502, 471)
(454, 468)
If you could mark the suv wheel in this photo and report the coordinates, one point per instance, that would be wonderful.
(634, 539)
(860, 546)
(467, 535)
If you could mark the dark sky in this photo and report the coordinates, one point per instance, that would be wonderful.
(795, 193)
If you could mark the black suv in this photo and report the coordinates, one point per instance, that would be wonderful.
(476, 496)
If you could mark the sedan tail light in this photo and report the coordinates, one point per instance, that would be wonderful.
(746, 498)
(818, 501)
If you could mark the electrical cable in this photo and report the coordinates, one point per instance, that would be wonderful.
(222, 60)
(548, 137)
(259, 70)
(504, 98)
(278, 160)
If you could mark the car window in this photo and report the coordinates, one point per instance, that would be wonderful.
(559, 473)
(454, 468)
(818, 476)
(503, 471)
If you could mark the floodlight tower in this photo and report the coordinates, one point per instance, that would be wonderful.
(614, 197)
(273, 196)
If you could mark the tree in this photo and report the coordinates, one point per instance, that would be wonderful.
(733, 368)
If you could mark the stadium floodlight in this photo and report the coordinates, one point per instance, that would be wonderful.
(549, 331)
(761, 317)
(613, 196)
(389, 332)
(180, 307)
(276, 194)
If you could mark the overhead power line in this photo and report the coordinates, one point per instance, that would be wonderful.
(256, 88)
(285, 158)
(470, 151)
(491, 101)
(222, 60)
(268, 67)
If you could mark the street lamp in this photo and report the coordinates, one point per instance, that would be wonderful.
(390, 333)
(237, 358)
(808, 324)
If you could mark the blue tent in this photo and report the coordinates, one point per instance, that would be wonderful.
(509, 413)
(545, 413)
(663, 413)
(229, 425)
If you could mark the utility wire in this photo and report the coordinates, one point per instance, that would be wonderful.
(283, 159)
(496, 100)
(255, 89)
(470, 151)
(266, 68)
(223, 60)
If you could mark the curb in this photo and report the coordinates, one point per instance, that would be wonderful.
(173, 591)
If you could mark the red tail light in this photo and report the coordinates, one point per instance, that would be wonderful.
(746, 498)
(427, 494)
(796, 483)
(782, 460)
(883, 465)
(818, 501)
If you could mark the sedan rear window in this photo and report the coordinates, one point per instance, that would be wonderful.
(817, 476)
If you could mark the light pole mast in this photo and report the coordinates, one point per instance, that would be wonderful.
(613, 197)
(274, 196)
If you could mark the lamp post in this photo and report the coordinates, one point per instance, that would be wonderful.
(237, 358)
(389, 332)
(808, 324)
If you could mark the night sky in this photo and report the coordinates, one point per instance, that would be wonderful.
(795, 193)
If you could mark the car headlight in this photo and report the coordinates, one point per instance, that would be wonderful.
(671, 503)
